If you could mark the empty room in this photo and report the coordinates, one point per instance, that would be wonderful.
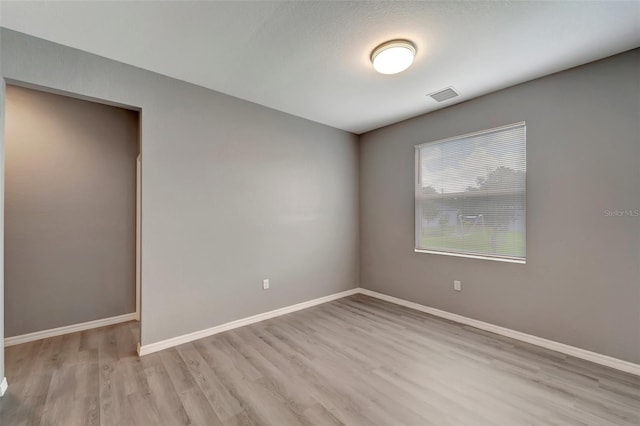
(320, 213)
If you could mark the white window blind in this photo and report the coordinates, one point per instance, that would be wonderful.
(470, 195)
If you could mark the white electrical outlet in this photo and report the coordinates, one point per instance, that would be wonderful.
(457, 285)
(265, 284)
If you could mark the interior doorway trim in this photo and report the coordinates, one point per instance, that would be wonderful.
(138, 226)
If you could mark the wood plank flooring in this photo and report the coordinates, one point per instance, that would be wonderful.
(354, 361)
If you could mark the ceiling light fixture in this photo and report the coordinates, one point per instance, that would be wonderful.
(393, 56)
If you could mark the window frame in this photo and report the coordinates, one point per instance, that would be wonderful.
(418, 183)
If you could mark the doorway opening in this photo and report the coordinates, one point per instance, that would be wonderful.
(72, 214)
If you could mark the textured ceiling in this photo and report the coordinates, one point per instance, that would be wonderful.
(311, 59)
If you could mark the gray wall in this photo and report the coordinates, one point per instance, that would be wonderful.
(70, 193)
(581, 283)
(232, 192)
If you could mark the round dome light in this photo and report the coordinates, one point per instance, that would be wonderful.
(393, 56)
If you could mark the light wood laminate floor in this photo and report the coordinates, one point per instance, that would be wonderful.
(354, 361)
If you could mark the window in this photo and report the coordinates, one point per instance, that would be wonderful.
(470, 195)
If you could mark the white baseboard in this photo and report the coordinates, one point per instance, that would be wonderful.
(24, 338)
(618, 364)
(3, 386)
(597, 358)
(185, 338)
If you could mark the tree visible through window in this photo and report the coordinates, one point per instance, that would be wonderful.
(470, 194)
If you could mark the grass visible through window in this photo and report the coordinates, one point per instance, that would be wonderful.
(486, 242)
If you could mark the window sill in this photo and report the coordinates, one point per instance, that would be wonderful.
(473, 256)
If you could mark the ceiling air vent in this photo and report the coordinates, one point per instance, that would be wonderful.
(444, 94)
